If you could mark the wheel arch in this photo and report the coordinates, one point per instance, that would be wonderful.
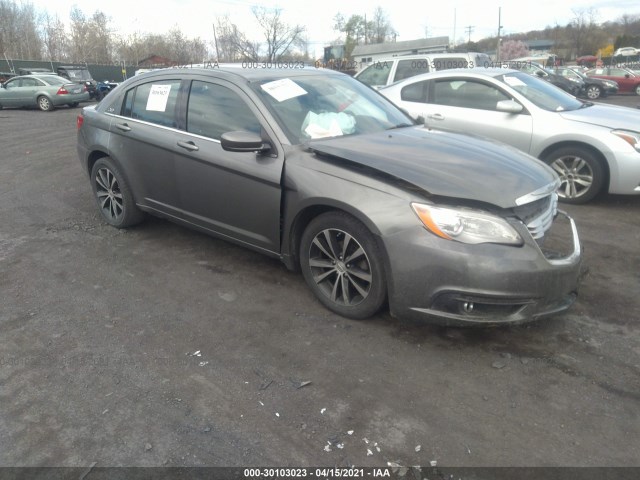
(294, 230)
(94, 156)
(597, 153)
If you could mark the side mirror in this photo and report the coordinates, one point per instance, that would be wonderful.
(509, 106)
(243, 142)
(540, 73)
(626, 75)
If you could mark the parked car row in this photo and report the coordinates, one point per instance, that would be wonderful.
(29, 89)
(628, 81)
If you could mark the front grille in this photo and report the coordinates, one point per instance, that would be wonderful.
(538, 215)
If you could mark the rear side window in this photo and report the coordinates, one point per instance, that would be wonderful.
(214, 110)
(416, 92)
(154, 102)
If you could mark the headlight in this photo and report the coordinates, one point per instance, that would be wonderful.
(466, 226)
(632, 138)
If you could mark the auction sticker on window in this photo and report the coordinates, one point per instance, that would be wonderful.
(158, 97)
(283, 89)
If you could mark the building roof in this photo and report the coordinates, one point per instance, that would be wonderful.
(390, 47)
(539, 44)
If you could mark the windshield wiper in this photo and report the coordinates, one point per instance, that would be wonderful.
(401, 125)
(586, 104)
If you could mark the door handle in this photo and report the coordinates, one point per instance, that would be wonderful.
(123, 126)
(436, 116)
(192, 147)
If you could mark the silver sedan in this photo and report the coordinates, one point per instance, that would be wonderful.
(592, 147)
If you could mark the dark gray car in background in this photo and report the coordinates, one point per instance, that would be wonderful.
(312, 167)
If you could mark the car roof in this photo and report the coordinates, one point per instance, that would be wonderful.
(242, 71)
(40, 76)
(477, 72)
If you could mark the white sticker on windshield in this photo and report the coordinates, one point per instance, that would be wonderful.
(283, 89)
(514, 81)
(158, 97)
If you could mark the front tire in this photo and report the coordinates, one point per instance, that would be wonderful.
(581, 174)
(593, 92)
(113, 195)
(342, 265)
(44, 104)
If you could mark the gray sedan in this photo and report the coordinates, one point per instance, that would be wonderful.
(43, 91)
(592, 147)
(318, 170)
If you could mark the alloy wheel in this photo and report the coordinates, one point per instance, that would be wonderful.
(109, 194)
(340, 267)
(576, 176)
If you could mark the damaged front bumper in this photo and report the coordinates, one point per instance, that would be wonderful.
(452, 283)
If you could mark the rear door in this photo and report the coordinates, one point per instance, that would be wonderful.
(143, 139)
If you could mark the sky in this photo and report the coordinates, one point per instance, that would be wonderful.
(410, 19)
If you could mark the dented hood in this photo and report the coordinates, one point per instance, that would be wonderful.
(444, 163)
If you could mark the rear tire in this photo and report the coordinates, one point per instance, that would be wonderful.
(342, 264)
(113, 195)
(44, 104)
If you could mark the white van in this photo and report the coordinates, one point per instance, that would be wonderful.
(386, 71)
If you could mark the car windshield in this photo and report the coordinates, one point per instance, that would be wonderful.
(541, 93)
(308, 107)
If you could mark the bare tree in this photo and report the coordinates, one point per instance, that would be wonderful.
(19, 36)
(99, 38)
(581, 29)
(78, 42)
(233, 45)
(381, 29)
(279, 36)
(54, 37)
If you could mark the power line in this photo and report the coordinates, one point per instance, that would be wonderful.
(469, 30)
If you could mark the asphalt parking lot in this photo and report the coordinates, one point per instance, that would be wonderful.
(159, 346)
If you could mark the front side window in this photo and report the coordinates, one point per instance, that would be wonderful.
(155, 102)
(214, 110)
(467, 94)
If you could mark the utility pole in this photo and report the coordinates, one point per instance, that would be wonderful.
(454, 27)
(215, 40)
(469, 30)
(499, 38)
(365, 29)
